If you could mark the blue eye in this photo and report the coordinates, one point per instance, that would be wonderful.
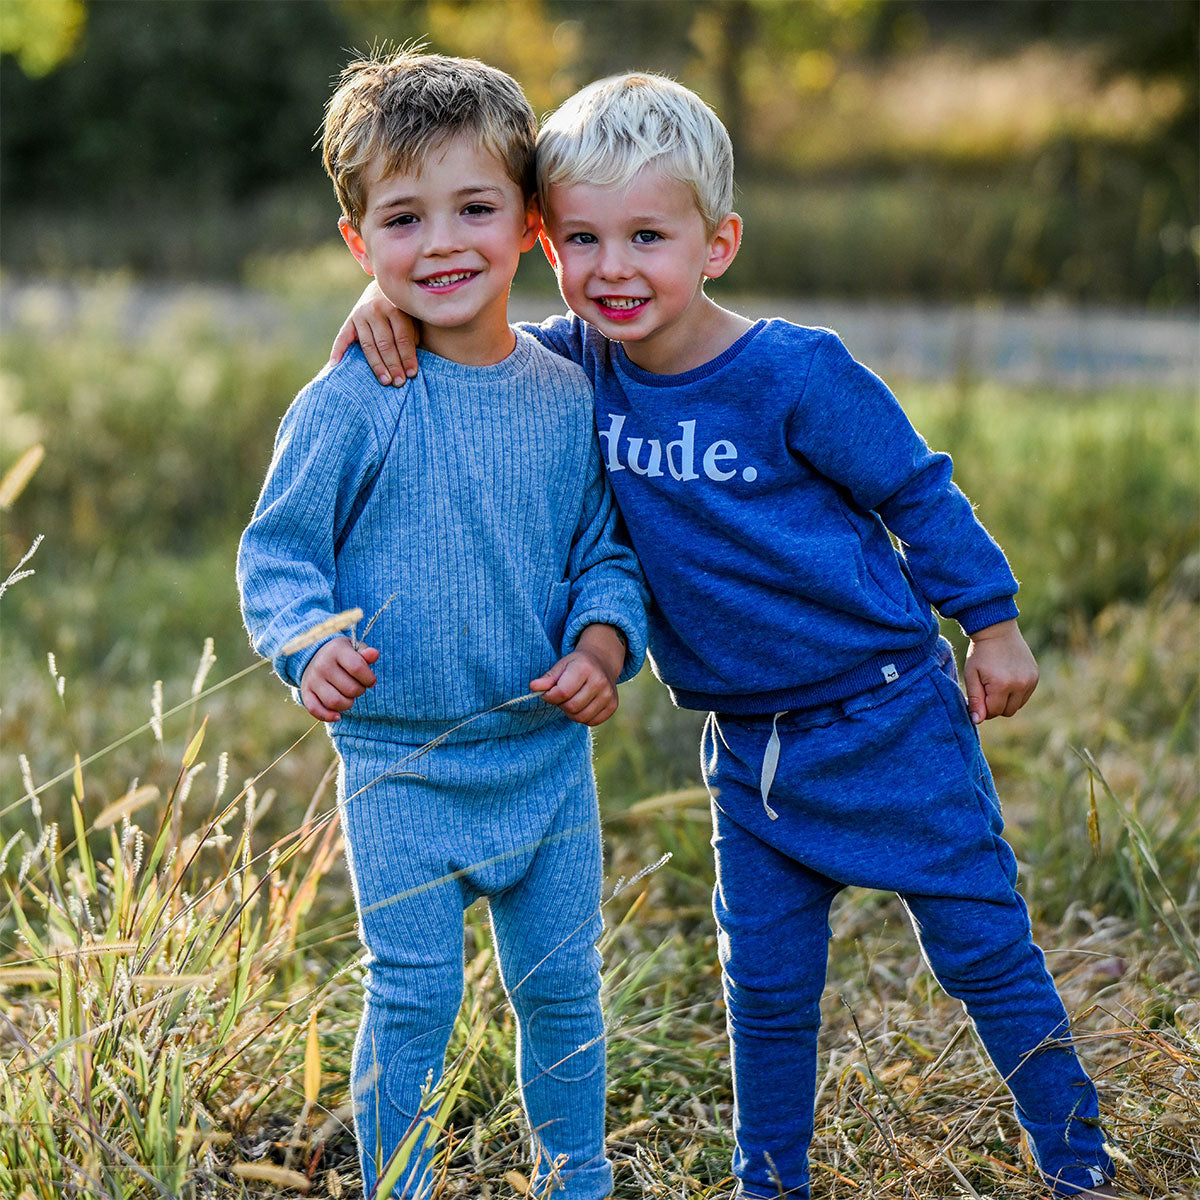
(583, 239)
(646, 236)
(402, 219)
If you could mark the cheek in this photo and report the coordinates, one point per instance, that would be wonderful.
(568, 279)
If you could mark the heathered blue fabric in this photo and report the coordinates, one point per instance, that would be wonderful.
(888, 789)
(470, 507)
(471, 511)
(759, 490)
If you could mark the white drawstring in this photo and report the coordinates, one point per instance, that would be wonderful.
(770, 763)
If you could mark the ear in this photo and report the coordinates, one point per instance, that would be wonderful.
(548, 249)
(533, 225)
(358, 247)
(723, 246)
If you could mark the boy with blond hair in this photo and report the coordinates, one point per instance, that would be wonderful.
(472, 513)
(759, 469)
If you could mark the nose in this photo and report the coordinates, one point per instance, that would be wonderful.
(443, 234)
(613, 262)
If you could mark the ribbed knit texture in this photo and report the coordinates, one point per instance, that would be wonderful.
(472, 504)
(470, 510)
(515, 820)
(759, 490)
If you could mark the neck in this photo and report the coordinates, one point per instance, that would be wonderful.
(709, 332)
(470, 346)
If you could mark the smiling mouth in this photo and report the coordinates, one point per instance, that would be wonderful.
(449, 279)
(622, 304)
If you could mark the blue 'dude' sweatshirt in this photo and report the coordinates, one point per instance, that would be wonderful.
(759, 490)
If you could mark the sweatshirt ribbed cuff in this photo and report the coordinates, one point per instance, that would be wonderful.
(617, 606)
(990, 612)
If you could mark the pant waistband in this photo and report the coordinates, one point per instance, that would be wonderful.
(826, 714)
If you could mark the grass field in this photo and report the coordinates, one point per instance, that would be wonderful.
(179, 978)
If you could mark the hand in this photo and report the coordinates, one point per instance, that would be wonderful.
(335, 677)
(583, 683)
(387, 336)
(1000, 672)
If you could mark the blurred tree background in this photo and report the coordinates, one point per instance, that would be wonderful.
(930, 149)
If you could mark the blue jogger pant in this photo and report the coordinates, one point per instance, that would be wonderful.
(886, 790)
(513, 819)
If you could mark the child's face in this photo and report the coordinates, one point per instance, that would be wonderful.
(632, 260)
(443, 244)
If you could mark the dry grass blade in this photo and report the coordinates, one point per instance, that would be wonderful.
(134, 799)
(323, 629)
(266, 1173)
(19, 474)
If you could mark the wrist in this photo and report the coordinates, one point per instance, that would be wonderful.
(606, 645)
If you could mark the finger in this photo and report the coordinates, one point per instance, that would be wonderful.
(354, 668)
(316, 709)
(346, 337)
(336, 692)
(543, 683)
(576, 687)
(371, 352)
(977, 704)
(597, 712)
(400, 350)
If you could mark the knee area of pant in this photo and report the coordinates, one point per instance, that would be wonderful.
(984, 969)
(434, 986)
(565, 1039)
(768, 1009)
(558, 978)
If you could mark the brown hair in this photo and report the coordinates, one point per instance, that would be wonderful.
(392, 110)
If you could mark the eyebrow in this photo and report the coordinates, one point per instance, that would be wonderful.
(640, 221)
(463, 193)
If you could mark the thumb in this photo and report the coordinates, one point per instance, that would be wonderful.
(369, 654)
(543, 683)
(976, 695)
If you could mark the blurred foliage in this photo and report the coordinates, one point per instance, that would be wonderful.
(1058, 137)
(40, 34)
(158, 419)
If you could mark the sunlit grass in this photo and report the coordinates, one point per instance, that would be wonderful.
(179, 976)
(181, 988)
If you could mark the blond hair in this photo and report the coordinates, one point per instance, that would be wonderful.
(390, 111)
(608, 131)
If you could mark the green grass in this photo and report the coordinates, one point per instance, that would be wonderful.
(179, 984)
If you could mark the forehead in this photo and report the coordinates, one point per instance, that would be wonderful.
(458, 163)
(650, 193)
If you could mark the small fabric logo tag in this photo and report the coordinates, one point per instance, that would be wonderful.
(890, 674)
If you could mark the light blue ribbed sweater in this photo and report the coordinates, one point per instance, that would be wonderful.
(472, 508)
(475, 501)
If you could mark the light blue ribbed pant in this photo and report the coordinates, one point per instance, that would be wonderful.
(514, 819)
(886, 790)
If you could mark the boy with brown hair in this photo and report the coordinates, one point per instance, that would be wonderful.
(471, 512)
